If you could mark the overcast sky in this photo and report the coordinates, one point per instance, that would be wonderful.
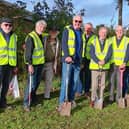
(97, 11)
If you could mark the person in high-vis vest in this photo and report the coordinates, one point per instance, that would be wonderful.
(34, 59)
(8, 57)
(85, 74)
(72, 46)
(100, 52)
(119, 59)
(126, 77)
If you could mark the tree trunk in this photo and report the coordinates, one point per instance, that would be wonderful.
(120, 5)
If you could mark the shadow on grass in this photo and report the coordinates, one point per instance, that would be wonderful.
(107, 102)
(38, 100)
(55, 94)
(80, 103)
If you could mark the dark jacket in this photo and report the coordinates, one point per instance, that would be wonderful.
(64, 45)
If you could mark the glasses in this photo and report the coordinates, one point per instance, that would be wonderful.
(78, 21)
(8, 25)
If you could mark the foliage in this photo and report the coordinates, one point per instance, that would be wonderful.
(56, 15)
(21, 4)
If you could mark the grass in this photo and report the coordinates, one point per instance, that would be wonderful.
(44, 116)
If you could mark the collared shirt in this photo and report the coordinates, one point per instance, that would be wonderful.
(102, 43)
(6, 36)
(93, 55)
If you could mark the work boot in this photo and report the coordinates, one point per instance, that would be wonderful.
(5, 106)
(87, 95)
(73, 104)
(26, 109)
(92, 104)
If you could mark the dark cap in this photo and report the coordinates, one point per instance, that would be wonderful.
(5, 19)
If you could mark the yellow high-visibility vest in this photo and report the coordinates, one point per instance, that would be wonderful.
(71, 42)
(119, 52)
(100, 54)
(87, 48)
(8, 51)
(38, 52)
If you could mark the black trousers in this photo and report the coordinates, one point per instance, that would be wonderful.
(5, 74)
(85, 76)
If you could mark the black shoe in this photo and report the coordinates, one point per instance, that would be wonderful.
(111, 102)
(47, 98)
(5, 106)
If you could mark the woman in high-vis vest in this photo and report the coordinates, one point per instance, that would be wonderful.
(72, 47)
(34, 58)
(100, 52)
(8, 57)
(120, 45)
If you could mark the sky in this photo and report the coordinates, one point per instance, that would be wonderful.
(97, 11)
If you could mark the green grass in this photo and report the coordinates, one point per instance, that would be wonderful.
(44, 116)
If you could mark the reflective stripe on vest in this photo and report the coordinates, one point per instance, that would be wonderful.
(71, 42)
(87, 49)
(84, 45)
(119, 52)
(8, 54)
(100, 54)
(38, 52)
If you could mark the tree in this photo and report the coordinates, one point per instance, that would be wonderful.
(57, 15)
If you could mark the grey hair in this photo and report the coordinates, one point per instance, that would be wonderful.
(103, 27)
(77, 16)
(89, 23)
(41, 22)
(118, 26)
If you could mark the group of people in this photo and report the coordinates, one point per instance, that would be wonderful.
(41, 53)
(87, 60)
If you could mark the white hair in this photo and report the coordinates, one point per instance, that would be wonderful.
(41, 22)
(77, 16)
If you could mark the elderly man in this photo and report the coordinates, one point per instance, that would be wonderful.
(8, 57)
(72, 46)
(34, 58)
(100, 52)
(85, 74)
(120, 57)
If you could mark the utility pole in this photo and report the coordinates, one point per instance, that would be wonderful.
(120, 7)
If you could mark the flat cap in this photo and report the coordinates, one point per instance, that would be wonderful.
(5, 19)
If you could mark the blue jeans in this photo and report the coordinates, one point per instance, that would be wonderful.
(35, 81)
(73, 76)
(79, 88)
